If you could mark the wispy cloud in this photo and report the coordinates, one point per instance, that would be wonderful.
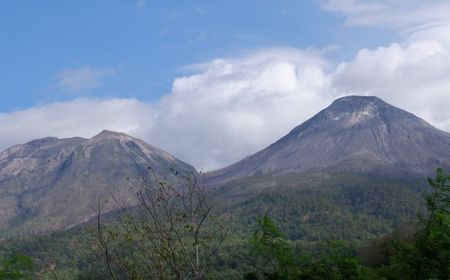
(403, 15)
(79, 80)
(140, 3)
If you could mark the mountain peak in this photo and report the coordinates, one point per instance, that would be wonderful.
(367, 105)
(361, 134)
(354, 110)
(110, 135)
(42, 141)
(358, 98)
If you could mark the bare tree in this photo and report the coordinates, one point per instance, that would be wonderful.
(173, 233)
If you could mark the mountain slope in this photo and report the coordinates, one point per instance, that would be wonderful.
(354, 134)
(312, 207)
(55, 183)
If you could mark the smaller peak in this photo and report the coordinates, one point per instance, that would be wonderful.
(358, 99)
(111, 133)
(355, 103)
(108, 134)
(42, 141)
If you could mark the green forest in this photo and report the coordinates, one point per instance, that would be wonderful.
(353, 229)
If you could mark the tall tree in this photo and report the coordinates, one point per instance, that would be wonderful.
(172, 234)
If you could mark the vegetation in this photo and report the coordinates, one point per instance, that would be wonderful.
(171, 234)
(16, 267)
(425, 254)
(320, 207)
(174, 238)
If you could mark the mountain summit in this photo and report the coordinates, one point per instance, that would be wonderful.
(356, 134)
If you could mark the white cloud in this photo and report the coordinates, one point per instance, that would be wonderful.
(398, 14)
(79, 117)
(81, 79)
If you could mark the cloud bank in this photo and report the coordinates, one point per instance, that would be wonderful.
(228, 108)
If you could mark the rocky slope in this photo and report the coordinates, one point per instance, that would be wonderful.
(354, 134)
(52, 183)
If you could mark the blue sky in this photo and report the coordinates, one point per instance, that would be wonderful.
(213, 81)
(140, 47)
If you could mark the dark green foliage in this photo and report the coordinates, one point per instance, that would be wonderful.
(413, 251)
(337, 262)
(64, 254)
(318, 208)
(279, 262)
(269, 245)
(16, 267)
(426, 255)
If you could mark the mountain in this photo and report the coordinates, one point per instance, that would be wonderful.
(354, 171)
(53, 183)
(354, 134)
